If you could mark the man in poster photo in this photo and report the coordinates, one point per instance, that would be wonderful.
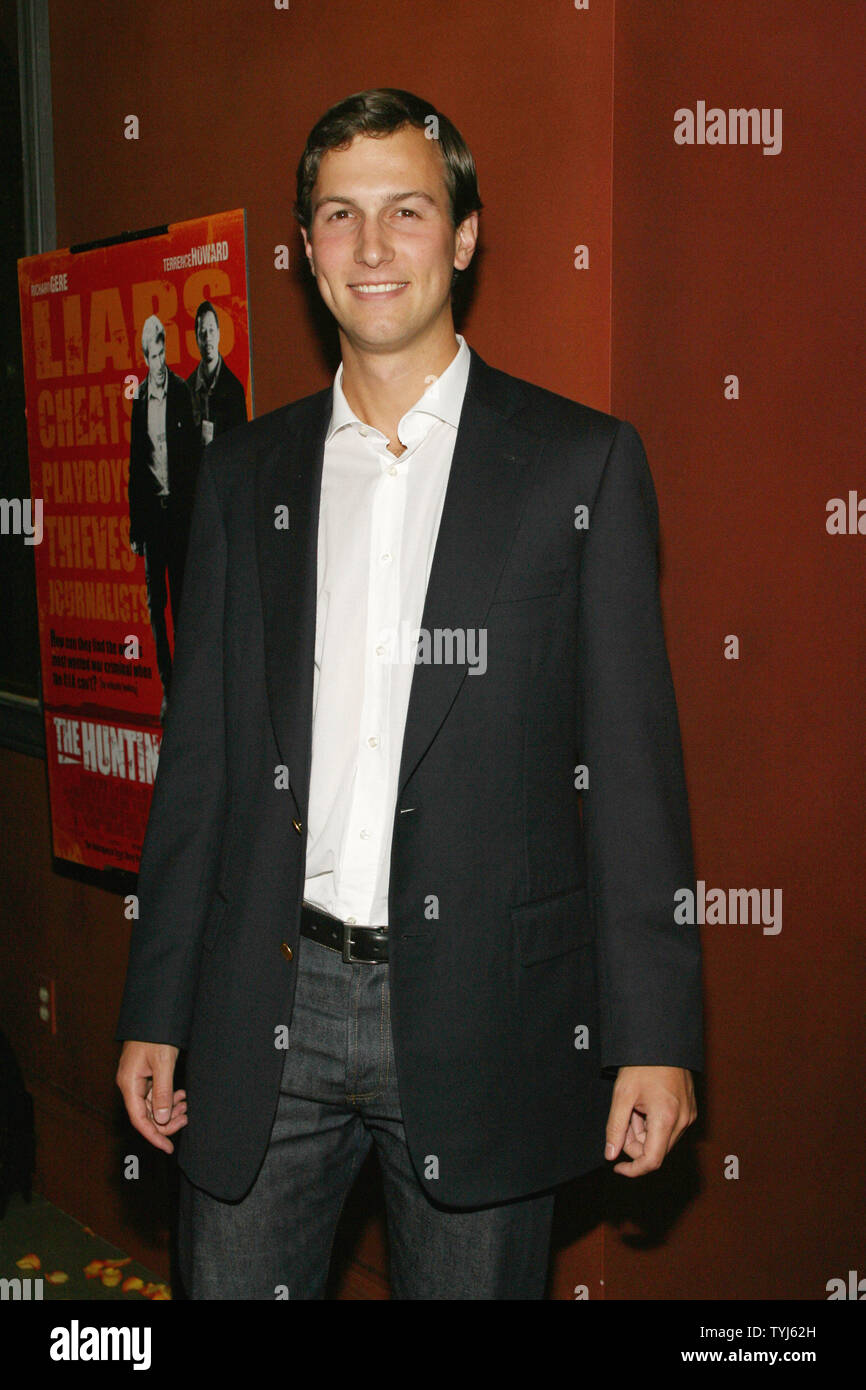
(218, 399)
(426, 905)
(163, 464)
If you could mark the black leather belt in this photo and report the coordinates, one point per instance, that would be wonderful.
(353, 943)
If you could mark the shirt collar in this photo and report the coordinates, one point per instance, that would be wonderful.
(443, 399)
(201, 381)
(154, 392)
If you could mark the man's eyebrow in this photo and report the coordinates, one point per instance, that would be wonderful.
(390, 198)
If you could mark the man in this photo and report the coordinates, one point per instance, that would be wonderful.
(371, 910)
(163, 457)
(218, 399)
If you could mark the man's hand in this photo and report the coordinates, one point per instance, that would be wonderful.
(145, 1075)
(650, 1109)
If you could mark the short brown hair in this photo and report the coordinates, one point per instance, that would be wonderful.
(381, 111)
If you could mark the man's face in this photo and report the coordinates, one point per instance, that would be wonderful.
(207, 335)
(156, 363)
(381, 242)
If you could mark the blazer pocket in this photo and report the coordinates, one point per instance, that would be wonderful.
(527, 584)
(213, 923)
(550, 927)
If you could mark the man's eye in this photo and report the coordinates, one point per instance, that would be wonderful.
(339, 213)
(411, 211)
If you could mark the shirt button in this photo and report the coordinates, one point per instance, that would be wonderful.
(350, 921)
(386, 558)
(392, 471)
(380, 650)
(286, 950)
(372, 741)
(362, 429)
(365, 834)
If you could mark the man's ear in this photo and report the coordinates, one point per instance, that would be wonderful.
(308, 252)
(466, 237)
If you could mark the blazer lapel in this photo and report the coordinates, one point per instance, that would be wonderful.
(490, 471)
(290, 475)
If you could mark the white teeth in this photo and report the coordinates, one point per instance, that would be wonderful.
(380, 289)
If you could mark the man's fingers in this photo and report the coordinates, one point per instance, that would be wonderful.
(136, 1108)
(175, 1123)
(145, 1075)
(665, 1096)
(162, 1093)
(142, 1120)
(618, 1121)
(634, 1140)
(178, 1109)
(661, 1121)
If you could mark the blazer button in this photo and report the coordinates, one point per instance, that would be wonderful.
(297, 825)
(286, 950)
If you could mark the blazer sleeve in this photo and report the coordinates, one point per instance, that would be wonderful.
(635, 808)
(182, 840)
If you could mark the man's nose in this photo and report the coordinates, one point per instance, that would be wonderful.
(372, 246)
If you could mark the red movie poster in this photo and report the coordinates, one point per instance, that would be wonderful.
(136, 355)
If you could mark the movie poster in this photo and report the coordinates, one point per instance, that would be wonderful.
(136, 355)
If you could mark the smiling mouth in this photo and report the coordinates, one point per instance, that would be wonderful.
(385, 288)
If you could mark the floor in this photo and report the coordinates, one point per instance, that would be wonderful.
(62, 1246)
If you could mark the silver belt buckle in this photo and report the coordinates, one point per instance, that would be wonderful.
(347, 945)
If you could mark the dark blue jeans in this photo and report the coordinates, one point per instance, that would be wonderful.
(338, 1096)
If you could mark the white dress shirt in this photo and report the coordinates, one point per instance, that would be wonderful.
(156, 408)
(378, 522)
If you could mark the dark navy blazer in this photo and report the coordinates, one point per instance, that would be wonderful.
(555, 956)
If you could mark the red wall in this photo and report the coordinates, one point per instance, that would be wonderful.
(225, 95)
(730, 261)
(723, 261)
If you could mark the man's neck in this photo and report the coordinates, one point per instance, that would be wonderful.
(381, 387)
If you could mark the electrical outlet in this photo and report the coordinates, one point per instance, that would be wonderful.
(47, 1003)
